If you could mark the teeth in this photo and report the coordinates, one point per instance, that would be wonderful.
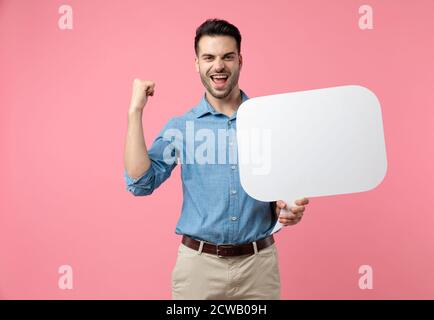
(219, 77)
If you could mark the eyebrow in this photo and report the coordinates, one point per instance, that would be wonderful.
(211, 55)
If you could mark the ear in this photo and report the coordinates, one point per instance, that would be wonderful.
(196, 64)
(241, 61)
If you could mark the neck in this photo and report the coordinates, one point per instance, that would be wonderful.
(227, 105)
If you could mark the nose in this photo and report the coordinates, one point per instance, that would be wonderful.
(219, 65)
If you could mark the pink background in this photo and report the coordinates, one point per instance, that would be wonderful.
(64, 97)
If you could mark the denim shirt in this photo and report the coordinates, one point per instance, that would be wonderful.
(215, 207)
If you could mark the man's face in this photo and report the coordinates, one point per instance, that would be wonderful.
(218, 63)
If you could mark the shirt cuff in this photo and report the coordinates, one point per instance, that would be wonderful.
(143, 180)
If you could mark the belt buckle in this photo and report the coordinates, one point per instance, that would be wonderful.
(223, 246)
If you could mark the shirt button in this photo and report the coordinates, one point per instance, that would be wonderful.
(229, 122)
(231, 143)
(234, 218)
(234, 191)
(233, 167)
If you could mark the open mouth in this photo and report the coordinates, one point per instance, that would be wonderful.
(219, 80)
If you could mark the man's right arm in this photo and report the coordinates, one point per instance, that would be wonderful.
(136, 156)
(145, 170)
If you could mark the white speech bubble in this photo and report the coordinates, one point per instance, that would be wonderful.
(311, 143)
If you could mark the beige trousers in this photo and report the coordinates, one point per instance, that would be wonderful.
(199, 275)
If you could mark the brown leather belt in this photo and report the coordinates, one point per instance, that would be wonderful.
(228, 250)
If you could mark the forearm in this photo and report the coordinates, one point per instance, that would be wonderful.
(136, 158)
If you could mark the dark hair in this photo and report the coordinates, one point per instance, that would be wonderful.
(217, 27)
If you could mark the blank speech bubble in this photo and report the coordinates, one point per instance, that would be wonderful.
(311, 143)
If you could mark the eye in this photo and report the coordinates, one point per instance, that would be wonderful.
(229, 57)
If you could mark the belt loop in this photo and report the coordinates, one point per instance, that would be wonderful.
(200, 247)
(255, 247)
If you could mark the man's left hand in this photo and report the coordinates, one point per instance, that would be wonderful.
(291, 215)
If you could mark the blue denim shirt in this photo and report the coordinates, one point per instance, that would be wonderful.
(215, 207)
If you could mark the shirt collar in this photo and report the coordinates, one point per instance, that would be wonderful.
(204, 107)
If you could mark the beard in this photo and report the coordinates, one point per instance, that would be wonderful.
(220, 94)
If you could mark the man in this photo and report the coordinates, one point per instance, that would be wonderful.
(227, 251)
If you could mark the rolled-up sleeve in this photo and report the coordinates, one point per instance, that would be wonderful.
(160, 168)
